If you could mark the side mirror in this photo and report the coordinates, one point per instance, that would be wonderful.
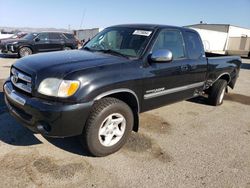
(37, 39)
(162, 56)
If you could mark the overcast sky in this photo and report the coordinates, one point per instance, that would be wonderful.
(103, 13)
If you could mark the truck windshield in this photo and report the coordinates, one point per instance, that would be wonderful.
(128, 42)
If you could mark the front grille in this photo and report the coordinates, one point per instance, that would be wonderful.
(21, 80)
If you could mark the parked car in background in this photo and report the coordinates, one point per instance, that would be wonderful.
(4, 34)
(15, 36)
(18, 35)
(71, 36)
(40, 42)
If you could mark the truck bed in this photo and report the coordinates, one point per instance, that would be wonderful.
(219, 65)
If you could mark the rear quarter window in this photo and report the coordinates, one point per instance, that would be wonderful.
(194, 45)
(69, 36)
(55, 36)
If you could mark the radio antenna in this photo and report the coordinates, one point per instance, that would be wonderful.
(83, 16)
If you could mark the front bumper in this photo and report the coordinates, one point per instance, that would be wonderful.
(9, 48)
(53, 119)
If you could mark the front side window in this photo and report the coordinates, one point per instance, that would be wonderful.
(127, 41)
(171, 40)
(43, 36)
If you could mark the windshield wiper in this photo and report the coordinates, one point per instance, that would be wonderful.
(87, 48)
(113, 52)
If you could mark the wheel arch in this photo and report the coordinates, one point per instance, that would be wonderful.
(27, 46)
(225, 76)
(129, 97)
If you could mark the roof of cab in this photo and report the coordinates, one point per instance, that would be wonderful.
(151, 26)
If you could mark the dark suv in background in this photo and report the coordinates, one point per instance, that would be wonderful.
(40, 42)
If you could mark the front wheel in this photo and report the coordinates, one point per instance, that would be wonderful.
(24, 51)
(108, 127)
(217, 92)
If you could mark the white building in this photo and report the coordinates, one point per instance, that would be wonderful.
(224, 38)
(86, 34)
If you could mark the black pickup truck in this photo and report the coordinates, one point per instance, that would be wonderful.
(98, 92)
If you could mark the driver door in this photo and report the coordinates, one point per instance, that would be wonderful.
(168, 82)
(42, 43)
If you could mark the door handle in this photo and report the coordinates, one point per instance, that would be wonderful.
(184, 68)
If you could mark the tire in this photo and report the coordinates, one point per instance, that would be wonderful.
(67, 48)
(217, 92)
(101, 135)
(24, 51)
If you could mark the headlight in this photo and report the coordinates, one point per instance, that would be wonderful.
(58, 88)
(14, 43)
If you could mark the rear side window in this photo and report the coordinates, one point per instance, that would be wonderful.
(171, 40)
(54, 36)
(194, 45)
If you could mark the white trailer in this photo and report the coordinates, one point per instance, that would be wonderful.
(224, 39)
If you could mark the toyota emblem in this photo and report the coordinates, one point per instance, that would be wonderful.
(15, 78)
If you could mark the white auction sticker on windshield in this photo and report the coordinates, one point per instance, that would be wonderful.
(142, 32)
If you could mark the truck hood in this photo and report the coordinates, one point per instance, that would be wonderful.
(59, 64)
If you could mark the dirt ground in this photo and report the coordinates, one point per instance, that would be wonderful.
(187, 144)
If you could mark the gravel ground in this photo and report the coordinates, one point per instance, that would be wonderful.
(187, 144)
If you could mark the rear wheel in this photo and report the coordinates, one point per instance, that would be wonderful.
(217, 92)
(108, 127)
(24, 51)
